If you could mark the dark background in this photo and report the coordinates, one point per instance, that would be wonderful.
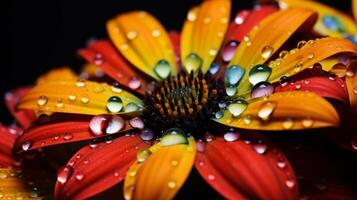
(46, 34)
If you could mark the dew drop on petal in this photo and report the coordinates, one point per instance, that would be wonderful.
(219, 114)
(247, 119)
(64, 174)
(67, 136)
(142, 155)
(106, 124)
(237, 107)
(266, 110)
(114, 104)
(260, 148)
(233, 75)
(301, 44)
(131, 107)
(116, 88)
(80, 83)
(72, 97)
(192, 62)
(98, 59)
(229, 50)
(79, 176)
(231, 136)
(134, 83)
(173, 136)
(283, 54)
(231, 90)
(162, 69)
(131, 35)
(288, 123)
(307, 122)
(42, 100)
(316, 69)
(171, 184)
(211, 177)
(84, 99)
(290, 183)
(259, 73)
(267, 51)
(201, 146)
(262, 89)
(26, 145)
(214, 68)
(136, 122)
(146, 134)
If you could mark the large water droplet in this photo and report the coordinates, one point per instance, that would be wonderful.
(26, 145)
(266, 110)
(192, 62)
(131, 107)
(136, 122)
(64, 174)
(231, 90)
(259, 73)
(262, 89)
(173, 136)
(237, 107)
(147, 134)
(106, 124)
(114, 104)
(134, 83)
(142, 155)
(231, 136)
(163, 69)
(233, 75)
(229, 50)
(42, 100)
(267, 52)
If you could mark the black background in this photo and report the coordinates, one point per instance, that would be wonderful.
(46, 34)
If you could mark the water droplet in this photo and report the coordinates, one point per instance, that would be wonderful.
(64, 174)
(228, 50)
(290, 183)
(301, 44)
(59, 103)
(171, 184)
(219, 114)
(354, 144)
(316, 69)
(333, 23)
(106, 124)
(233, 75)
(80, 83)
(191, 16)
(339, 69)
(311, 55)
(192, 62)
(131, 35)
(214, 68)
(231, 90)
(355, 90)
(350, 73)
(267, 52)
(72, 97)
(262, 89)
(156, 33)
(136, 122)
(116, 88)
(147, 134)
(26, 145)
(283, 54)
(212, 52)
(283, 81)
(260, 148)
(211, 177)
(162, 69)
(259, 73)
(98, 59)
(231, 136)
(281, 164)
(79, 176)
(237, 107)
(84, 99)
(288, 123)
(142, 155)
(174, 163)
(298, 67)
(266, 110)
(42, 100)
(131, 107)
(248, 119)
(134, 83)
(307, 122)
(331, 76)
(173, 136)
(67, 136)
(114, 104)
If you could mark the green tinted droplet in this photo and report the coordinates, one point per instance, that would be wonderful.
(114, 104)
(259, 73)
(162, 69)
(233, 75)
(142, 155)
(131, 107)
(173, 136)
(237, 107)
(192, 62)
(231, 90)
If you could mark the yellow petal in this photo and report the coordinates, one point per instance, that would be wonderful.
(351, 83)
(203, 33)
(331, 22)
(312, 52)
(144, 42)
(264, 40)
(12, 186)
(162, 174)
(285, 111)
(82, 97)
(64, 73)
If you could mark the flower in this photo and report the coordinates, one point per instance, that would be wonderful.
(175, 109)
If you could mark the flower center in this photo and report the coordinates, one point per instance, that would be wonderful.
(186, 101)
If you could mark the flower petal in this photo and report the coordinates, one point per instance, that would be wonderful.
(23, 117)
(8, 136)
(144, 42)
(94, 169)
(104, 55)
(57, 74)
(262, 42)
(239, 170)
(75, 128)
(203, 33)
(82, 97)
(162, 174)
(285, 111)
(331, 22)
(325, 85)
(351, 82)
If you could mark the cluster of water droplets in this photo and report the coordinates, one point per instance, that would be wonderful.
(18, 195)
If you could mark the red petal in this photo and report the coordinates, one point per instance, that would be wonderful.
(175, 40)
(325, 85)
(93, 170)
(58, 133)
(8, 136)
(239, 170)
(104, 55)
(24, 117)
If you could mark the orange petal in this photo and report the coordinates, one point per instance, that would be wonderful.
(63, 73)
(203, 34)
(144, 42)
(312, 52)
(351, 83)
(162, 174)
(82, 97)
(354, 8)
(331, 22)
(266, 38)
(284, 111)
(13, 186)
